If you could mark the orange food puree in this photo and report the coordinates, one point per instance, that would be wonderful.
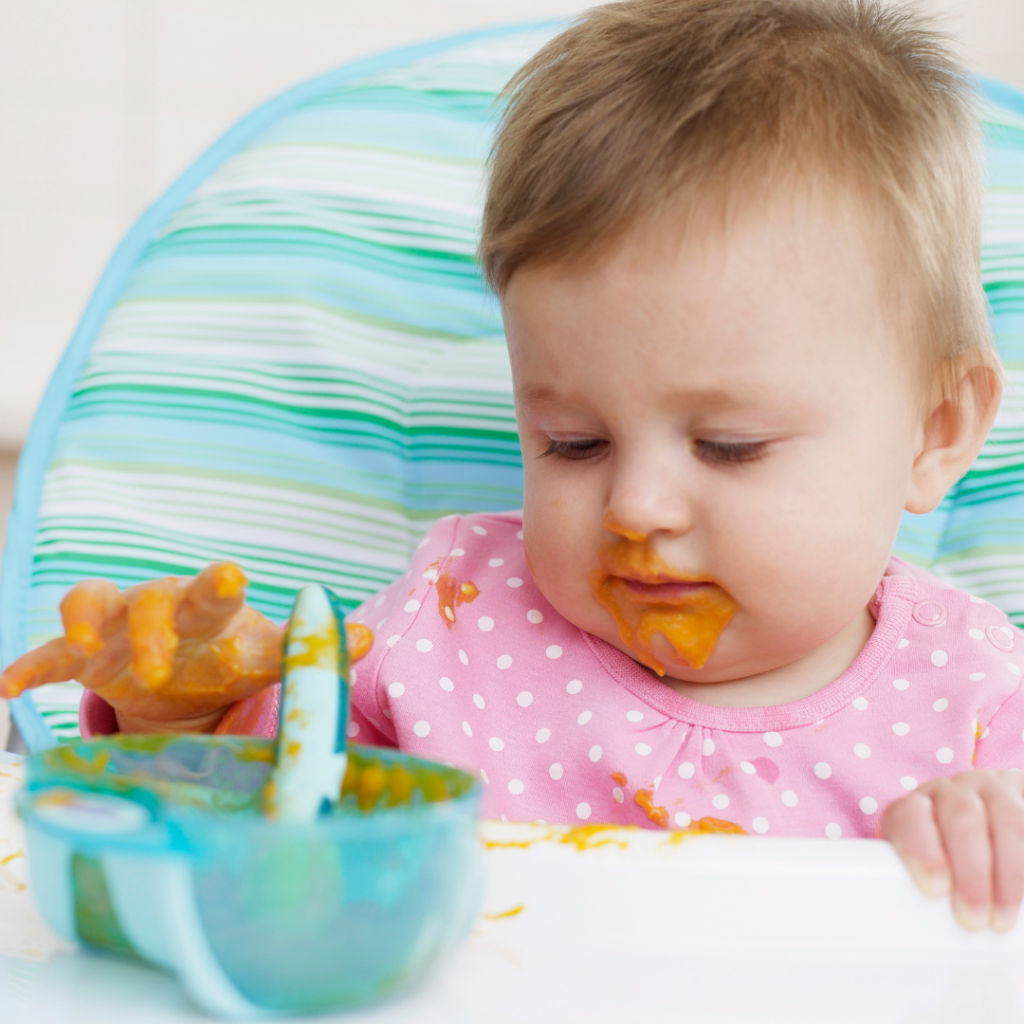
(691, 622)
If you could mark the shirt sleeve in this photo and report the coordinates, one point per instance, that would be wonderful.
(1000, 743)
(390, 615)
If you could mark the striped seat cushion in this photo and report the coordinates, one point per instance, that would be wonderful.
(292, 362)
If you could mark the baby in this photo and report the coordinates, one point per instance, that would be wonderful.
(737, 248)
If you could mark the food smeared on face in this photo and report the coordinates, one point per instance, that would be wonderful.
(451, 593)
(646, 597)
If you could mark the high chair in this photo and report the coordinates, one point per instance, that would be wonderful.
(292, 362)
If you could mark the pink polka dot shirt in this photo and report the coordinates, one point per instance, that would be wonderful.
(563, 727)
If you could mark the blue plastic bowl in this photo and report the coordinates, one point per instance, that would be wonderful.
(155, 847)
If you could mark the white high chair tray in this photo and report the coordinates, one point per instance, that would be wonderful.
(611, 926)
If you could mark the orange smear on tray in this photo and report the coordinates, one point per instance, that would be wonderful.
(646, 597)
(451, 593)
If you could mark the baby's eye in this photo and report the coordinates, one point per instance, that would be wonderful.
(585, 449)
(729, 452)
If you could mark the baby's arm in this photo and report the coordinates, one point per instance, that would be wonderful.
(964, 836)
(169, 655)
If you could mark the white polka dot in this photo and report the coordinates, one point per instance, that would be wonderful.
(901, 728)
(495, 744)
(823, 770)
(940, 705)
(773, 739)
(519, 534)
(423, 543)
(903, 643)
(463, 657)
(504, 661)
(525, 699)
(686, 770)
(682, 819)
(554, 651)
(583, 811)
(412, 606)
(595, 753)
(908, 782)
(900, 684)
(789, 798)
(1013, 668)
(759, 825)
(556, 771)
(977, 600)
(585, 716)
(514, 581)
(975, 676)
(485, 623)
(720, 800)
(657, 782)
(976, 634)
(748, 768)
(573, 686)
(447, 684)
(387, 714)
(833, 831)
(543, 735)
(634, 716)
(708, 748)
(868, 804)
(392, 640)
(483, 775)
(944, 755)
(352, 677)
(479, 531)
(430, 574)
(534, 616)
(862, 750)
(352, 730)
(617, 795)
(467, 728)
(860, 704)
(396, 689)
(495, 562)
(515, 787)
(939, 658)
(642, 749)
(421, 728)
(379, 601)
(479, 701)
(457, 552)
(423, 646)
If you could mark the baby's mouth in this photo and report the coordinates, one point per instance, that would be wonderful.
(661, 591)
(646, 597)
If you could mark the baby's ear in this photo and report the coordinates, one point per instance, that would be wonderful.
(955, 428)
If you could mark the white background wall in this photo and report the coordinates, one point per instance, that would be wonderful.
(104, 102)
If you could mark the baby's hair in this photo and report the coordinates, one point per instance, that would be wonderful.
(645, 102)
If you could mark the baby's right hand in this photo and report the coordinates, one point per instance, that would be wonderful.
(169, 655)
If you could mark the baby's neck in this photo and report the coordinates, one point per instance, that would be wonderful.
(787, 683)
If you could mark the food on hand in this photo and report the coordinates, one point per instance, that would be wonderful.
(169, 655)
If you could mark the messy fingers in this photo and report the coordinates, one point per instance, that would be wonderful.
(87, 611)
(151, 632)
(51, 663)
(210, 600)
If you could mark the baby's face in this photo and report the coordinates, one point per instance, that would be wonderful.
(744, 401)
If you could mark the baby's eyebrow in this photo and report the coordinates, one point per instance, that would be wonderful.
(536, 393)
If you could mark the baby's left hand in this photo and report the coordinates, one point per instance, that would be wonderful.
(964, 836)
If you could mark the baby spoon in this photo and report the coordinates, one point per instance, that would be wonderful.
(311, 747)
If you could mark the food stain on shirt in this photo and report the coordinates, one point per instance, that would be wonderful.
(706, 826)
(645, 798)
(646, 597)
(620, 778)
(451, 593)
